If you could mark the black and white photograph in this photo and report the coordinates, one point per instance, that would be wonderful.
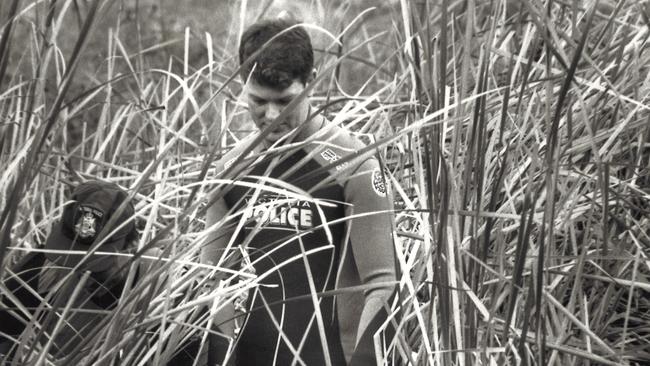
(324, 182)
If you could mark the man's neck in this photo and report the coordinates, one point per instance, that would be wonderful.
(310, 128)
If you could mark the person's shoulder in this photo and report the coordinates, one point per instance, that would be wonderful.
(29, 262)
(350, 162)
(235, 154)
(339, 150)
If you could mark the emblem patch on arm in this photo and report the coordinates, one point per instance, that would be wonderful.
(331, 156)
(378, 183)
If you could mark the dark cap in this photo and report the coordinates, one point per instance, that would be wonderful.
(94, 203)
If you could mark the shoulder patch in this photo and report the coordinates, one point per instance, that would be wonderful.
(228, 163)
(378, 183)
(235, 153)
(331, 156)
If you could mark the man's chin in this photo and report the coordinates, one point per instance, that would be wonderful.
(273, 137)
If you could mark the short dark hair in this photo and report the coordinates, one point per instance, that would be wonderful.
(289, 56)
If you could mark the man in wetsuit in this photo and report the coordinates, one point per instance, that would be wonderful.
(308, 214)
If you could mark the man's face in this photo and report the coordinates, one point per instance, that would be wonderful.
(265, 105)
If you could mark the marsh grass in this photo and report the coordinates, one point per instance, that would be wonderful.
(516, 140)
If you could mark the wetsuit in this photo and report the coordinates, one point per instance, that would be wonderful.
(288, 234)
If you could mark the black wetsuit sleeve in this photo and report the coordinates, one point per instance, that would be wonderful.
(372, 246)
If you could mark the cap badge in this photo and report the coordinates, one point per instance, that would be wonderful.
(86, 226)
(88, 223)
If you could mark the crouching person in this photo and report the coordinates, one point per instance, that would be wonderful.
(54, 299)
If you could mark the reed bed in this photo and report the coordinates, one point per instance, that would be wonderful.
(516, 136)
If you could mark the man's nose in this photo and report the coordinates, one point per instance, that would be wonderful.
(272, 112)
